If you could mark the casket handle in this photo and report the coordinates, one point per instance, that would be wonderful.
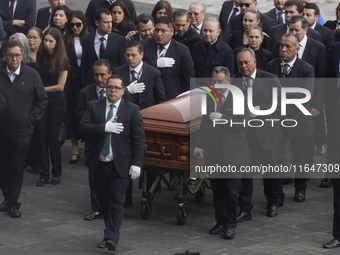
(161, 154)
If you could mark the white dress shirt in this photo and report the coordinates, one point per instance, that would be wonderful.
(302, 46)
(198, 28)
(13, 75)
(15, 5)
(232, 11)
(165, 50)
(252, 76)
(138, 71)
(283, 15)
(291, 63)
(98, 42)
(109, 157)
(79, 49)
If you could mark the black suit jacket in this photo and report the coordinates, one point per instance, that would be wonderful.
(207, 58)
(305, 71)
(263, 86)
(189, 38)
(176, 79)
(74, 69)
(226, 9)
(94, 5)
(127, 147)
(331, 24)
(236, 24)
(2, 102)
(25, 10)
(272, 14)
(326, 34)
(43, 18)
(236, 39)
(333, 148)
(114, 53)
(151, 77)
(276, 33)
(229, 140)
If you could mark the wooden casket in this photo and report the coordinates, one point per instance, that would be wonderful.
(167, 133)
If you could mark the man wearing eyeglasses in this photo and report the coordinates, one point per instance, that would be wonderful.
(197, 12)
(116, 136)
(236, 22)
(25, 102)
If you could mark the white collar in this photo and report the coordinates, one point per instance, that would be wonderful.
(166, 46)
(137, 69)
(291, 63)
(116, 104)
(17, 72)
(313, 26)
(98, 89)
(277, 11)
(303, 42)
(99, 36)
(253, 75)
(238, 7)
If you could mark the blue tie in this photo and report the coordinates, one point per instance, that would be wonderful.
(279, 18)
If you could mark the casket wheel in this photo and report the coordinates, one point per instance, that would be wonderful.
(182, 215)
(199, 195)
(145, 210)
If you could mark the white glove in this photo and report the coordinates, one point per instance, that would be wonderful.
(134, 172)
(135, 87)
(198, 152)
(215, 116)
(252, 115)
(113, 127)
(165, 62)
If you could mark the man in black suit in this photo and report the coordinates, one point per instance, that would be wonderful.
(292, 8)
(2, 102)
(197, 12)
(333, 158)
(102, 72)
(95, 5)
(184, 33)
(311, 12)
(278, 13)
(263, 140)
(25, 102)
(218, 144)
(212, 51)
(229, 10)
(45, 13)
(315, 54)
(172, 58)
(145, 27)
(101, 44)
(18, 16)
(116, 149)
(145, 82)
(301, 136)
(236, 22)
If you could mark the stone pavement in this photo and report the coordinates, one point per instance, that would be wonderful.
(52, 222)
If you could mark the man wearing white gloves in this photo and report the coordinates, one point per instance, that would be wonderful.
(116, 142)
(145, 82)
(172, 58)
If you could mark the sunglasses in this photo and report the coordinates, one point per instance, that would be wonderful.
(246, 5)
(78, 24)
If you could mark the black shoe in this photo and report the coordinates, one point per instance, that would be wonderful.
(326, 183)
(332, 244)
(320, 150)
(229, 233)
(3, 206)
(55, 181)
(41, 182)
(14, 213)
(243, 216)
(300, 195)
(111, 245)
(102, 244)
(74, 161)
(272, 211)
(218, 229)
(93, 215)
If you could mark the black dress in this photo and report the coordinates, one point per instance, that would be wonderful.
(49, 126)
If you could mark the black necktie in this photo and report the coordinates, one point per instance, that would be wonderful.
(133, 75)
(235, 10)
(102, 48)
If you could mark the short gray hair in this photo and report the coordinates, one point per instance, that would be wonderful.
(222, 69)
(247, 49)
(26, 59)
(204, 8)
(212, 19)
(255, 28)
(294, 35)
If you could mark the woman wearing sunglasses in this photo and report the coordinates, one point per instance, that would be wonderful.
(76, 29)
(52, 65)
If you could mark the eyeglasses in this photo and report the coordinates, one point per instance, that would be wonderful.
(246, 5)
(32, 38)
(195, 13)
(10, 55)
(133, 55)
(115, 88)
(78, 24)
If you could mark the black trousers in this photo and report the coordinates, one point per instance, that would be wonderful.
(95, 206)
(111, 189)
(271, 183)
(303, 153)
(13, 151)
(336, 219)
(48, 128)
(320, 129)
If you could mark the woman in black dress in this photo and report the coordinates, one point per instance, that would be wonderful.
(76, 29)
(59, 18)
(121, 19)
(52, 65)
